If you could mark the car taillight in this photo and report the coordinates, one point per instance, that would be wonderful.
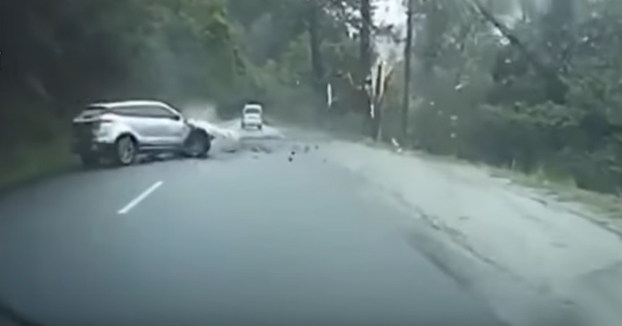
(104, 119)
(97, 124)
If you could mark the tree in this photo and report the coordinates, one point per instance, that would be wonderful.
(373, 114)
(59, 56)
(556, 88)
(407, 69)
(315, 43)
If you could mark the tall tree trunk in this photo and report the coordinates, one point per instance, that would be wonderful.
(365, 64)
(407, 70)
(365, 41)
(377, 103)
(317, 62)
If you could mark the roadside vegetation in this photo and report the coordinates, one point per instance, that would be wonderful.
(528, 85)
(539, 95)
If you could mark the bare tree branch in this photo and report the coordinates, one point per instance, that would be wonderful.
(556, 87)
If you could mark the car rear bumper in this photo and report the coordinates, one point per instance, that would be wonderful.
(83, 147)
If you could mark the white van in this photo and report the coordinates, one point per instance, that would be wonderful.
(251, 116)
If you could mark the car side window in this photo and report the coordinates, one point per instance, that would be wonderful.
(147, 111)
(153, 111)
(130, 111)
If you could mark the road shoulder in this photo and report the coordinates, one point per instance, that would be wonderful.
(545, 243)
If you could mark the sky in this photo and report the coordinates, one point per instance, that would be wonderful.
(389, 12)
(393, 12)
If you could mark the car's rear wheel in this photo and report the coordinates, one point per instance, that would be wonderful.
(126, 150)
(197, 145)
(89, 159)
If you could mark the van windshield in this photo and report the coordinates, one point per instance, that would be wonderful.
(252, 110)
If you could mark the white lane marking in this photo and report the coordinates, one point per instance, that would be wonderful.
(140, 198)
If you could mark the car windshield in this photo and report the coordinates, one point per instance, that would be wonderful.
(418, 162)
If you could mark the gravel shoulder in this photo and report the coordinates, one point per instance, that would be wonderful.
(556, 248)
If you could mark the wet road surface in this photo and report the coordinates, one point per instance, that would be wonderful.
(256, 236)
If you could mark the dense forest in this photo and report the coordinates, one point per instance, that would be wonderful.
(532, 85)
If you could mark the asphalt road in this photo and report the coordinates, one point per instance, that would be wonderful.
(241, 238)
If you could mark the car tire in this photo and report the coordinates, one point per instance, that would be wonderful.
(125, 150)
(197, 145)
(89, 159)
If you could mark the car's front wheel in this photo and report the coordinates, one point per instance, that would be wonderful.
(126, 150)
(197, 145)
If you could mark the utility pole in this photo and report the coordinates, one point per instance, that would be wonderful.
(407, 69)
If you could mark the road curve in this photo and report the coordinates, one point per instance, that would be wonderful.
(268, 234)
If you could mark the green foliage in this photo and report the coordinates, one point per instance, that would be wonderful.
(483, 98)
(477, 91)
(58, 56)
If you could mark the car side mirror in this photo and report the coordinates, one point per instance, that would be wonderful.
(176, 117)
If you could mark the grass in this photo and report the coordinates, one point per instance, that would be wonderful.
(560, 185)
(564, 188)
(33, 161)
(606, 208)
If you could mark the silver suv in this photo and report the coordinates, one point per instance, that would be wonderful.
(121, 130)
